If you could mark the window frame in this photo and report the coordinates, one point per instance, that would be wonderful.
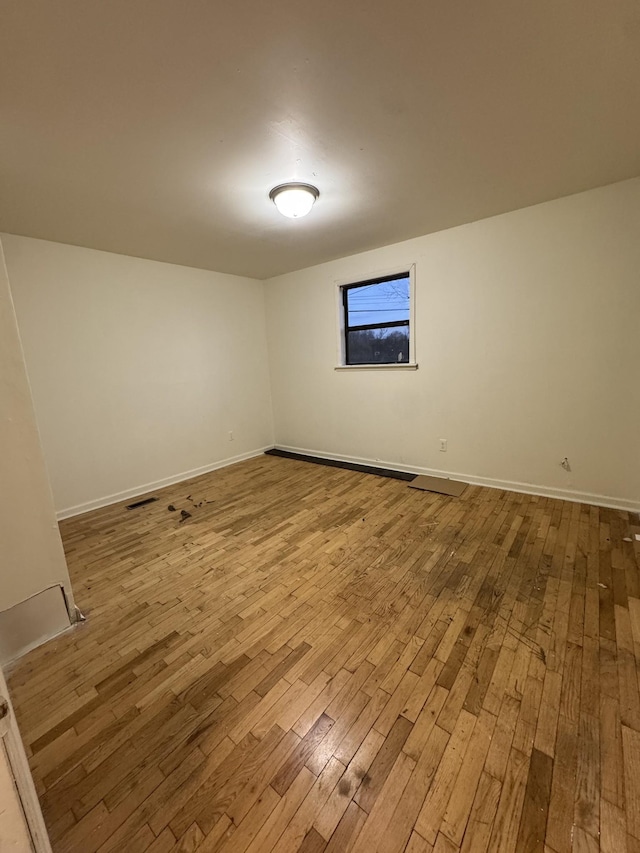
(342, 288)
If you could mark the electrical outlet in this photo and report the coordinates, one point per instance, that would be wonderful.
(443, 445)
(230, 435)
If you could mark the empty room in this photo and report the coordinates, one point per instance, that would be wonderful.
(319, 427)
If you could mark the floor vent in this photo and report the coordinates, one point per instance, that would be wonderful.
(141, 503)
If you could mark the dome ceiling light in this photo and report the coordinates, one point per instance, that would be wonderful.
(294, 200)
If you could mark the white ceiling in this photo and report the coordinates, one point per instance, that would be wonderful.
(157, 127)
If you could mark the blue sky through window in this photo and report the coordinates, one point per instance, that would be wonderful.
(384, 302)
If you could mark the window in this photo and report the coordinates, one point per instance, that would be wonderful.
(377, 321)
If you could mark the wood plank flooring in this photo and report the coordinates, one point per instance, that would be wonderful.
(324, 661)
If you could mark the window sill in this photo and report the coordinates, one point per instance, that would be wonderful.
(403, 366)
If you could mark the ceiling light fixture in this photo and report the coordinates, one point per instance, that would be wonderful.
(294, 200)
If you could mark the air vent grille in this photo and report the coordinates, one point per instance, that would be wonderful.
(143, 502)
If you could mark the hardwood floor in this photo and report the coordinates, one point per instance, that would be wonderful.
(322, 660)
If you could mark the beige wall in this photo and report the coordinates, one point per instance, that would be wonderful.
(139, 369)
(528, 344)
(526, 338)
(31, 555)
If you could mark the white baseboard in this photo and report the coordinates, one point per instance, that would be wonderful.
(136, 491)
(508, 485)
(512, 486)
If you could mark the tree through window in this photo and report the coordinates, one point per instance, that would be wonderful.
(376, 320)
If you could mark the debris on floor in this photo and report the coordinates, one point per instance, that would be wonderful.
(441, 485)
(185, 514)
(199, 503)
